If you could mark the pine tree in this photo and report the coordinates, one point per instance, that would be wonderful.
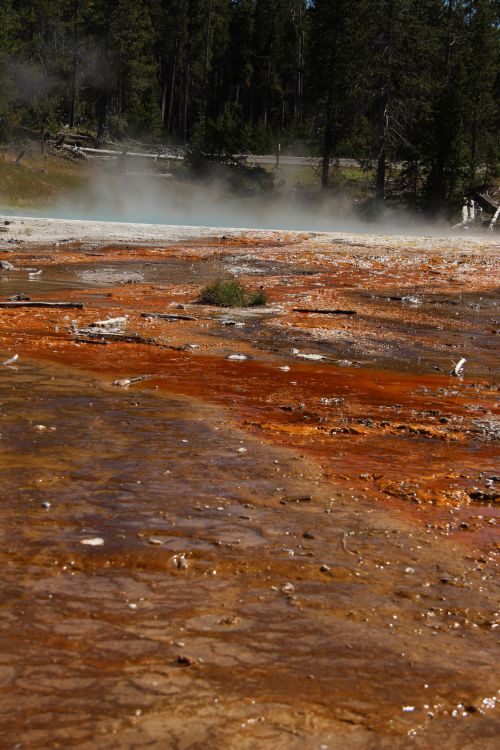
(482, 108)
(7, 35)
(446, 148)
(336, 71)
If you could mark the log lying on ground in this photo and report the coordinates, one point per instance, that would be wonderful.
(23, 303)
(484, 201)
(83, 334)
(321, 311)
(168, 316)
(102, 153)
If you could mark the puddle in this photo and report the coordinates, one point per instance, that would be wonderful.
(83, 275)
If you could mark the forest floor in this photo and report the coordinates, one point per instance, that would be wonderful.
(284, 536)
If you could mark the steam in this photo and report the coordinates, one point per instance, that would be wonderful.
(154, 200)
(30, 82)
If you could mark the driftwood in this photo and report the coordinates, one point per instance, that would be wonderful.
(494, 219)
(457, 369)
(168, 316)
(488, 204)
(130, 338)
(23, 303)
(321, 311)
(124, 382)
(108, 153)
(10, 361)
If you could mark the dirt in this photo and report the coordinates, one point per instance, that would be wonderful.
(285, 552)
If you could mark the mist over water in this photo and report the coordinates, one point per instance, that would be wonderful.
(154, 200)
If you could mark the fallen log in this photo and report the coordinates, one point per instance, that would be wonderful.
(116, 154)
(168, 316)
(23, 303)
(126, 338)
(321, 311)
(124, 382)
(484, 201)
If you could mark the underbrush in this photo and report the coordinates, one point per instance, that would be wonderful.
(231, 293)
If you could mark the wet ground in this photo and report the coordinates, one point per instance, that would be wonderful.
(279, 551)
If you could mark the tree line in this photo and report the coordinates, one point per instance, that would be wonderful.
(413, 82)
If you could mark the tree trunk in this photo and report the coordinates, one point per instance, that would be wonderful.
(74, 68)
(207, 51)
(103, 118)
(327, 144)
(381, 160)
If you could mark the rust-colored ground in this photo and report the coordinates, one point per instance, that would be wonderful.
(348, 505)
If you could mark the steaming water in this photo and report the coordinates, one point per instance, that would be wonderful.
(127, 198)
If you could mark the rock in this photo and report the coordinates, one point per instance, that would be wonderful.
(308, 535)
(331, 401)
(185, 661)
(46, 504)
(237, 357)
(483, 496)
(154, 540)
(180, 561)
(297, 499)
(287, 588)
(314, 357)
(96, 541)
(122, 382)
(325, 569)
(6, 266)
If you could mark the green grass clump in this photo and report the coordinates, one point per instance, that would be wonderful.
(231, 293)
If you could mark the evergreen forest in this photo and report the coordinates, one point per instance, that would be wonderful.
(412, 82)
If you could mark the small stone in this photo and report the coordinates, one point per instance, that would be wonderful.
(287, 588)
(237, 357)
(180, 561)
(154, 540)
(94, 542)
(308, 535)
(185, 661)
(122, 382)
(325, 569)
(46, 504)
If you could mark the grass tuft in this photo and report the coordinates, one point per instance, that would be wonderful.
(231, 293)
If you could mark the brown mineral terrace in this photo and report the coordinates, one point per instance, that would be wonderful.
(269, 527)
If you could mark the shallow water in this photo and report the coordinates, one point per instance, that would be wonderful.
(206, 598)
(271, 570)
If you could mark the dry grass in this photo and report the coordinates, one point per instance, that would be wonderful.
(37, 181)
